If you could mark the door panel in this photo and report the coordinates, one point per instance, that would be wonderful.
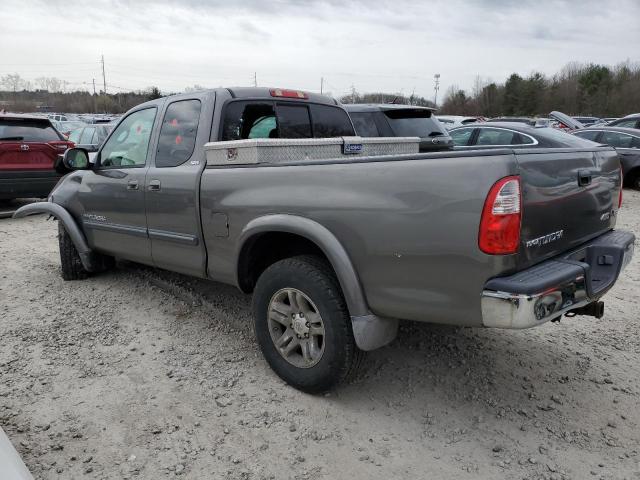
(113, 196)
(173, 185)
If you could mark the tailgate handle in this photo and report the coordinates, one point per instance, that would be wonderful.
(584, 178)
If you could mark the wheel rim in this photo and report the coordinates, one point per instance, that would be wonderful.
(296, 328)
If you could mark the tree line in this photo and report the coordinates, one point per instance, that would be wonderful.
(578, 89)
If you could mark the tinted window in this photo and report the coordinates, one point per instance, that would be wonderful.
(330, 122)
(27, 131)
(413, 123)
(461, 137)
(625, 123)
(493, 136)
(87, 135)
(618, 140)
(249, 120)
(128, 145)
(588, 135)
(365, 124)
(178, 133)
(294, 121)
(563, 138)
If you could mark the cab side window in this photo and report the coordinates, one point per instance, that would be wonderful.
(128, 145)
(178, 133)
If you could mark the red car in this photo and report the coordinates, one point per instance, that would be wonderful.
(29, 149)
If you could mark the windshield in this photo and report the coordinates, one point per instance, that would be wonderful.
(27, 130)
(413, 123)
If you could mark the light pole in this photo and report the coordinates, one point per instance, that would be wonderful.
(436, 87)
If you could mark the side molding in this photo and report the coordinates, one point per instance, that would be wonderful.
(69, 223)
(370, 331)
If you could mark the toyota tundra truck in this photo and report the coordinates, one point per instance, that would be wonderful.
(339, 237)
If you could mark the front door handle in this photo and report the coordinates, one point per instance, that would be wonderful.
(132, 185)
(154, 186)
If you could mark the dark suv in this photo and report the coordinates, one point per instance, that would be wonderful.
(29, 148)
(390, 120)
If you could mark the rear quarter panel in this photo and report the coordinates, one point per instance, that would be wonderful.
(410, 227)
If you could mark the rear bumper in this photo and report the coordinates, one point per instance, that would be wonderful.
(25, 184)
(552, 288)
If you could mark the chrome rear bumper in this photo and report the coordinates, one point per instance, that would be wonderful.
(558, 285)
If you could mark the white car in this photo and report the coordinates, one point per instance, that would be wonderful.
(453, 121)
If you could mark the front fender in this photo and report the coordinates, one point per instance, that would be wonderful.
(70, 225)
(370, 331)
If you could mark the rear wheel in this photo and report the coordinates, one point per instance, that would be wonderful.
(303, 326)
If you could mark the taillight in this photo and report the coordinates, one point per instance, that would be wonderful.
(620, 194)
(500, 223)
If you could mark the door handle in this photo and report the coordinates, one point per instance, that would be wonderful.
(584, 178)
(132, 185)
(154, 186)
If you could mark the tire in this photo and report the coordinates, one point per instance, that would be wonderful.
(72, 268)
(335, 357)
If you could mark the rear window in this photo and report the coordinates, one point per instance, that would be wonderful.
(365, 124)
(249, 120)
(413, 123)
(294, 121)
(27, 131)
(330, 122)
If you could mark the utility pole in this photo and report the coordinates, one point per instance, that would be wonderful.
(255, 79)
(353, 93)
(321, 85)
(95, 106)
(436, 87)
(104, 77)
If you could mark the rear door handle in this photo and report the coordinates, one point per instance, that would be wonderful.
(154, 186)
(132, 185)
(584, 178)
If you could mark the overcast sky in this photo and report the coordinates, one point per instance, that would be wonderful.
(374, 45)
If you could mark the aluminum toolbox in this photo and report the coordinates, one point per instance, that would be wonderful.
(278, 151)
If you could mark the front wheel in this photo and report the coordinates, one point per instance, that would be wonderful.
(303, 326)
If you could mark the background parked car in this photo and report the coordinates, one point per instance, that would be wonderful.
(390, 120)
(91, 137)
(513, 135)
(626, 141)
(630, 121)
(453, 121)
(587, 121)
(65, 128)
(525, 120)
(29, 149)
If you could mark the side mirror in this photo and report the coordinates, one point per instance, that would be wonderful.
(76, 159)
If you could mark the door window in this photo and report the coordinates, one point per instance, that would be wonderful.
(74, 136)
(618, 140)
(178, 133)
(492, 136)
(461, 136)
(586, 134)
(365, 124)
(128, 145)
(626, 123)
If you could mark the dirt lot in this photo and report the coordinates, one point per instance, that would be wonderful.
(145, 374)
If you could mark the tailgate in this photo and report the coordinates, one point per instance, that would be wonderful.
(27, 156)
(569, 197)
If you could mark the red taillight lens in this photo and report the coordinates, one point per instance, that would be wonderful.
(500, 223)
(620, 194)
(279, 92)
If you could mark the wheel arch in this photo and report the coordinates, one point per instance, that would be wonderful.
(70, 225)
(308, 234)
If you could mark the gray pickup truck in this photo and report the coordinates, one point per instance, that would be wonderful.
(337, 247)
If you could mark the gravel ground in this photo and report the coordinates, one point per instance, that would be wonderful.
(141, 373)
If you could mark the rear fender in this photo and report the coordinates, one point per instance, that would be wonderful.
(70, 225)
(369, 330)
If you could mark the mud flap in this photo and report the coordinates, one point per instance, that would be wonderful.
(371, 331)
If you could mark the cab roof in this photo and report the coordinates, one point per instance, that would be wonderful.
(382, 107)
